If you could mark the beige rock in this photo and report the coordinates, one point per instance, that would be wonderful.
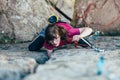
(105, 16)
(20, 20)
(15, 68)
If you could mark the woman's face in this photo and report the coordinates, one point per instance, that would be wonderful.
(56, 41)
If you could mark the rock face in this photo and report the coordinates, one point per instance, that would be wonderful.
(70, 63)
(15, 68)
(104, 15)
(20, 20)
(78, 64)
(67, 6)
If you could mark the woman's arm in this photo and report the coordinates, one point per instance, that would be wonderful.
(86, 31)
(83, 33)
(49, 52)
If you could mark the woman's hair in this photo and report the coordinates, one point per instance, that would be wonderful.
(52, 31)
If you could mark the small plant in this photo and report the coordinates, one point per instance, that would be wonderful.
(4, 39)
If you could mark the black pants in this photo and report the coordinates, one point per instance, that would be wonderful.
(36, 44)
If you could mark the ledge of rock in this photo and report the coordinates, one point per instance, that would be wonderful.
(17, 63)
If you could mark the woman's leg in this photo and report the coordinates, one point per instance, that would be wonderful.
(36, 44)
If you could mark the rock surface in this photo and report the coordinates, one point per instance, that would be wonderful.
(103, 15)
(20, 20)
(69, 63)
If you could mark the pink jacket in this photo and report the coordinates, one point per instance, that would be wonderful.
(71, 32)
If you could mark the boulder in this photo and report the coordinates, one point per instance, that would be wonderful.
(103, 15)
(15, 68)
(21, 20)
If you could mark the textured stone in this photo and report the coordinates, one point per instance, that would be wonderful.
(79, 64)
(15, 68)
(103, 13)
(21, 20)
(68, 63)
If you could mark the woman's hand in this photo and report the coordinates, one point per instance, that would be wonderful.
(76, 38)
(49, 53)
